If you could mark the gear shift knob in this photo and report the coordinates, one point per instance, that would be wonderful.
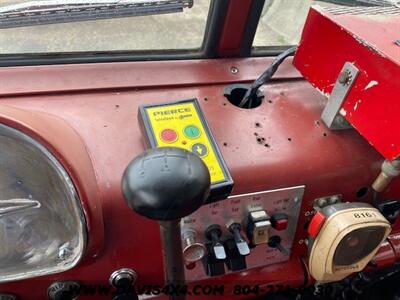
(167, 184)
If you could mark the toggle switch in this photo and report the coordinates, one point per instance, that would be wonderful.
(216, 255)
(192, 250)
(213, 233)
(241, 244)
(258, 225)
(235, 261)
(275, 242)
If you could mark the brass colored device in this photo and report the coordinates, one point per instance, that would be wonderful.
(343, 238)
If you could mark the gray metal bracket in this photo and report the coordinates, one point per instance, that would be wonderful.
(330, 115)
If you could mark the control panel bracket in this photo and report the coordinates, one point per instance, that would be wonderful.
(331, 113)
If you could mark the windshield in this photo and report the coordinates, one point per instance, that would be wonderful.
(282, 21)
(165, 30)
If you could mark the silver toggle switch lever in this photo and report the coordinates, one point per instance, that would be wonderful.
(219, 251)
(192, 250)
(213, 233)
(241, 243)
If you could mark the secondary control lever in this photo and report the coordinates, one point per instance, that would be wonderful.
(167, 184)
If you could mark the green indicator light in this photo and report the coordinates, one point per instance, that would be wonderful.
(192, 132)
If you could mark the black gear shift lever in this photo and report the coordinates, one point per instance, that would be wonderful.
(167, 184)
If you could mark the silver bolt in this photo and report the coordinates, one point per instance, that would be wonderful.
(397, 42)
(322, 202)
(64, 253)
(345, 77)
(334, 199)
(234, 70)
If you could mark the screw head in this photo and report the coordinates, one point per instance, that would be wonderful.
(64, 253)
(234, 70)
(344, 77)
(334, 199)
(397, 42)
(322, 202)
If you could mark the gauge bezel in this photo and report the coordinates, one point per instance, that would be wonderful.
(69, 187)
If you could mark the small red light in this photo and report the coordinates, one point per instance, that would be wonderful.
(316, 223)
(281, 224)
(279, 221)
(169, 135)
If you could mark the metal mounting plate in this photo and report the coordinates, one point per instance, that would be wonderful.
(344, 83)
(236, 209)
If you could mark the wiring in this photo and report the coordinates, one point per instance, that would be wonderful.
(266, 76)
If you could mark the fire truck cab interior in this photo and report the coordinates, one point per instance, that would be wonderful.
(234, 169)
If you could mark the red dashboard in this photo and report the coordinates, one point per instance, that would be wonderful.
(86, 115)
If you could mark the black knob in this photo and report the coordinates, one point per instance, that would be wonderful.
(275, 242)
(123, 280)
(166, 183)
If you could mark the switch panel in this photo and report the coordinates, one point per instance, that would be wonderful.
(241, 221)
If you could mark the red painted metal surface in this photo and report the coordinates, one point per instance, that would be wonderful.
(368, 41)
(102, 110)
(233, 30)
(394, 240)
(133, 75)
(385, 257)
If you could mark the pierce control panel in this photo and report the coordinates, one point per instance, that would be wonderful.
(182, 124)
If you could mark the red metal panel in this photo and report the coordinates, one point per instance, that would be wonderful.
(298, 150)
(368, 41)
(233, 30)
(143, 75)
(385, 257)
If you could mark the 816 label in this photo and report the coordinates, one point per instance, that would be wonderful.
(364, 215)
